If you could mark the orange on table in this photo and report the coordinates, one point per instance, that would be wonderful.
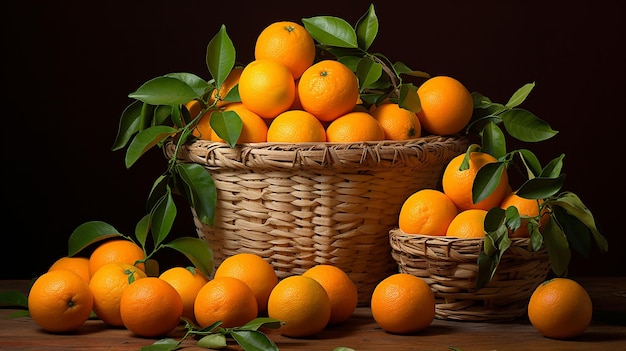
(468, 224)
(525, 207)
(296, 126)
(253, 270)
(560, 308)
(266, 88)
(225, 299)
(354, 127)
(254, 129)
(447, 106)
(328, 89)
(403, 303)
(151, 307)
(427, 212)
(229, 83)
(287, 43)
(302, 304)
(458, 184)
(107, 285)
(187, 281)
(398, 123)
(60, 301)
(76, 264)
(341, 290)
(116, 250)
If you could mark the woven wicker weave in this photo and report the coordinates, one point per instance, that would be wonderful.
(299, 205)
(449, 266)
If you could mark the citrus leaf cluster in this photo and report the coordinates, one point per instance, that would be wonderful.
(213, 336)
(379, 78)
(563, 223)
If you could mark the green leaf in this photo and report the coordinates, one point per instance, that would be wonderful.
(408, 98)
(367, 28)
(402, 68)
(142, 228)
(199, 85)
(160, 188)
(557, 246)
(525, 126)
(576, 232)
(480, 101)
(163, 112)
(88, 233)
(572, 204)
(145, 140)
(540, 187)
(220, 56)
(227, 125)
(130, 123)
(530, 161)
(333, 31)
(200, 191)
(494, 219)
(162, 218)
(493, 140)
(213, 341)
(196, 250)
(486, 269)
(167, 344)
(487, 180)
(553, 168)
(13, 299)
(164, 91)
(253, 340)
(520, 95)
(259, 322)
(368, 72)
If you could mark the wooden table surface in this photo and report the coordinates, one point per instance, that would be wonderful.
(606, 332)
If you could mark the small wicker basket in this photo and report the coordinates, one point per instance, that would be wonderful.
(449, 266)
(299, 205)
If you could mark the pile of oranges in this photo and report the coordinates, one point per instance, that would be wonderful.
(452, 212)
(286, 96)
(112, 284)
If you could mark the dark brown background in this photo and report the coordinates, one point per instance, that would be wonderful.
(69, 66)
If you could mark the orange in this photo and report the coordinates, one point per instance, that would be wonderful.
(151, 307)
(341, 290)
(287, 43)
(403, 303)
(302, 304)
(560, 308)
(328, 89)
(525, 207)
(267, 88)
(78, 265)
(468, 224)
(427, 212)
(296, 126)
(254, 129)
(458, 184)
(397, 122)
(60, 301)
(447, 106)
(229, 83)
(117, 250)
(354, 127)
(225, 299)
(253, 270)
(107, 286)
(187, 281)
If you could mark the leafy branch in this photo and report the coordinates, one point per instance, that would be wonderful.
(214, 336)
(563, 220)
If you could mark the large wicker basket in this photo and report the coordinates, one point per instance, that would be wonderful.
(449, 266)
(299, 205)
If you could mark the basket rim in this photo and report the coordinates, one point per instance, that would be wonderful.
(432, 149)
